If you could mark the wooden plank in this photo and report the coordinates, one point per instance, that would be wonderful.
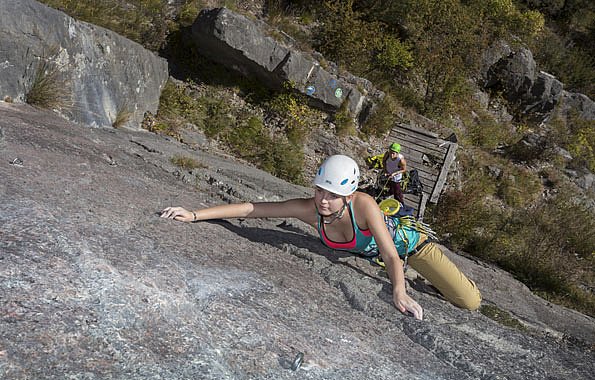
(399, 131)
(416, 129)
(408, 147)
(410, 142)
(425, 171)
(418, 157)
(418, 202)
(450, 156)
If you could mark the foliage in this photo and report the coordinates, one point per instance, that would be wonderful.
(177, 106)
(582, 142)
(545, 244)
(571, 132)
(344, 121)
(503, 17)
(280, 158)
(243, 133)
(294, 109)
(383, 118)
(485, 132)
(189, 11)
(570, 63)
(517, 186)
(394, 54)
(362, 46)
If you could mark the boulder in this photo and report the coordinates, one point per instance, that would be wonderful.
(514, 74)
(580, 104)
(242, 44)
(545, 93)
(532, 92)
(96, 77)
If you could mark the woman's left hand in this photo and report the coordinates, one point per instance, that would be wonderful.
(407, 304)
(178, 213)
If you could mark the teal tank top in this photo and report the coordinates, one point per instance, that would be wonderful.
(404, 238)
(361, 238)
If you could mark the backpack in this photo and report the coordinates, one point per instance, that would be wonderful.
(397, 222)
(375, 162)
(411, 183)
(392, 208)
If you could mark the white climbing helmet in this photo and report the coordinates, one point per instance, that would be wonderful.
(338, 174)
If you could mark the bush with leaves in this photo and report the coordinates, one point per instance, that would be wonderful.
(546, 244)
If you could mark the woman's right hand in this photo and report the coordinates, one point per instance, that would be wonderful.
(407, 304)
(178, 213)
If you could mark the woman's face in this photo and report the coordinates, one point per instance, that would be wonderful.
(393, 154)
(327, 203)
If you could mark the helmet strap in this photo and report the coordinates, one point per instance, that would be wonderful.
(336, 215)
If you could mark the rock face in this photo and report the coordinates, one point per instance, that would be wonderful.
(533, 92)
(95, 75)
(243, 45)
(94, 285)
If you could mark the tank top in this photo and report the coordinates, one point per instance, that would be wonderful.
(361, 238)
(393, 166)
(363, 243)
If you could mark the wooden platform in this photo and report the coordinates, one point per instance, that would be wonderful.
(431, 155)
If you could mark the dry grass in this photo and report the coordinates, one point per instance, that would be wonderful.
(49, 89)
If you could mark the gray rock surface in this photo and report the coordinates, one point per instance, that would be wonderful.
(97, 73)
(94, 285)
(243, 45)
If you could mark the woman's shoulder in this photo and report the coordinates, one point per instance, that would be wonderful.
(365, 208)
(363, 200)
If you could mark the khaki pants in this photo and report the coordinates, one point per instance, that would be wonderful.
(434, 266)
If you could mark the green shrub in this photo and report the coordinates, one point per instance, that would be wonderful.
(346, 37)
(294, 109)
(218, 116)
(549, 246)
(394, 55)
(189, 11)
(344, 121)
(484, 131)
(251, 141)
(383, 118)
(518, 187)
(177, 107)
(286, 161)
(582, 142)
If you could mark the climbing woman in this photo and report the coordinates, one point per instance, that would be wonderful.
(352, 221)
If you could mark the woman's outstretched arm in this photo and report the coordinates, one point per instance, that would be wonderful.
(302, 209)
